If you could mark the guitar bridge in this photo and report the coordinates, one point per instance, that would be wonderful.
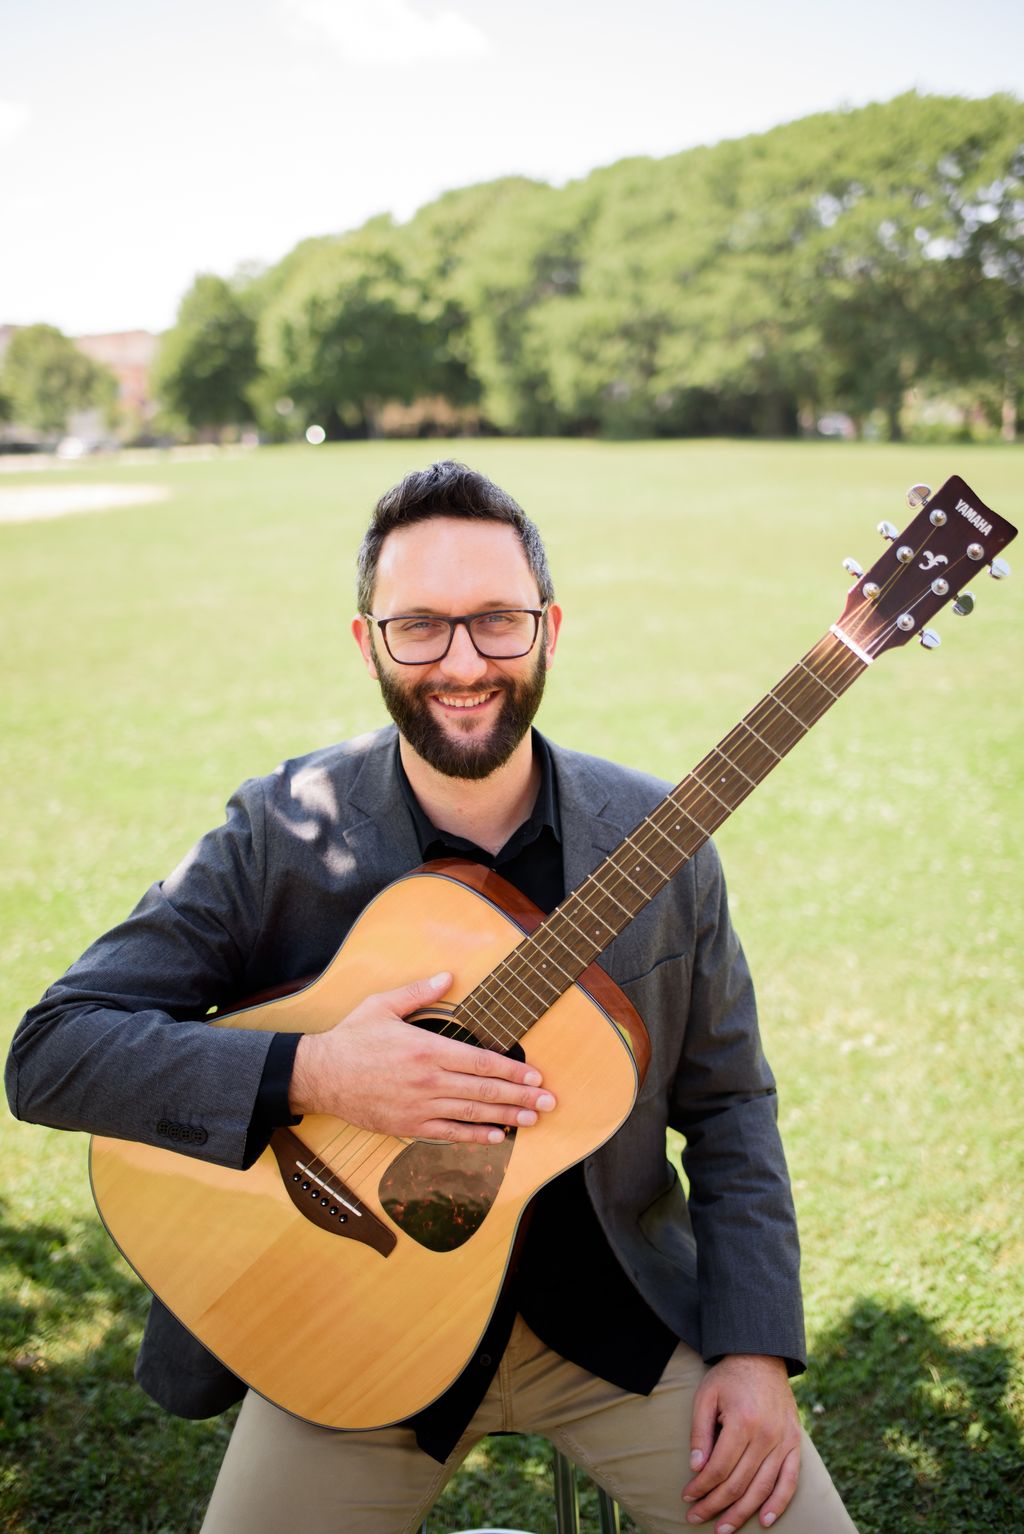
(323, 1198)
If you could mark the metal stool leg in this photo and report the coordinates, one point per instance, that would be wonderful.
(567, 1502)
(608, 1512)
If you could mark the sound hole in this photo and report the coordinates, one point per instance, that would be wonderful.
(439, 1195)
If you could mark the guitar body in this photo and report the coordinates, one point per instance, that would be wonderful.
(323, 1323)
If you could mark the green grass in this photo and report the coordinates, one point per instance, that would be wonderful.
(154, 657)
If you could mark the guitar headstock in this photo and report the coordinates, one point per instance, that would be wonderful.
(953, 537)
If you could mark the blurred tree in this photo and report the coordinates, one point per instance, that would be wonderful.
(45, 378)
(837, 262)
(347, 330)
(208, 362)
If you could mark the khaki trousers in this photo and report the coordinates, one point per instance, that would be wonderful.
(281, 1475)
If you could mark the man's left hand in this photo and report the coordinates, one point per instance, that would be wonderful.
(744, 1442)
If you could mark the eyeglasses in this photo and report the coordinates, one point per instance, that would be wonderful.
(420, 639)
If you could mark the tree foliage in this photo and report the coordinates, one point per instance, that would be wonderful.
(45, 378)
(839, 262)
(208, 362)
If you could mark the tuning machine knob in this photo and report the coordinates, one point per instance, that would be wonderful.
(917, 495)
(964, 604)
(853, 568)
(888, 531)
(929, 639)
(999, 569)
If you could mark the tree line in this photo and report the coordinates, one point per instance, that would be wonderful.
(847, 262)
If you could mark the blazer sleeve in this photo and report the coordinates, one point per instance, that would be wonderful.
(119, 1047)
(724, 1103)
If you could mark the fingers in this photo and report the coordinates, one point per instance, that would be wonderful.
(767, 1488)
(702, 1427)
(378, 1070)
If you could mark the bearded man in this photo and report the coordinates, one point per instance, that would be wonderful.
(648, 1333)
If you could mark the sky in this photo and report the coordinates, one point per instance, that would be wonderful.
(144, 141)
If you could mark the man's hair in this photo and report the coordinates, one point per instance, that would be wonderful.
(447, 489)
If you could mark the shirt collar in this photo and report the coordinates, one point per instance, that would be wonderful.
(544, 814)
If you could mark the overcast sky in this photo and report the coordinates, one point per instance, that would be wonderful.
(142, 141)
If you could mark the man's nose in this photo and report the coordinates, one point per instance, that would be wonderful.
(463, 663)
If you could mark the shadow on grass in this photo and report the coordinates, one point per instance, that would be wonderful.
(916, 1432)
(82, 1450)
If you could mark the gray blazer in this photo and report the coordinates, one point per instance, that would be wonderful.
(115, 1047)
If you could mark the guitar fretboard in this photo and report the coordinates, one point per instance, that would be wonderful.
(502, 1009)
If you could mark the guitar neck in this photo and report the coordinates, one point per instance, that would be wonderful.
(545, 964)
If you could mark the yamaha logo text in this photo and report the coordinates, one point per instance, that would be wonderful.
(975, 518)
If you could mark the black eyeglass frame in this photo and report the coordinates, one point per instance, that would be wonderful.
(536, 613)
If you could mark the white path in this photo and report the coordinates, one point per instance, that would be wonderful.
(29, 503)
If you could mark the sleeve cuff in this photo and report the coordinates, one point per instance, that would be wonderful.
(271, 1109)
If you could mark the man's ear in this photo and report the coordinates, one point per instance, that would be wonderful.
(361, 635)
(554, 624)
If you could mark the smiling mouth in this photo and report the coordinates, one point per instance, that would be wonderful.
(465, 702)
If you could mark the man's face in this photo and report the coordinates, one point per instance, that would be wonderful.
(464, 715)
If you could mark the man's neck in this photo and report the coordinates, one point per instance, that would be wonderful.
(485, 811)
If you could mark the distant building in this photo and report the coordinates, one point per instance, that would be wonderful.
(129, 355)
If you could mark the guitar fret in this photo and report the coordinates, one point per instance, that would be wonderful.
(743, 725)
(818, 679)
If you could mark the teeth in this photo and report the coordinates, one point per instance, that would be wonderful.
(461, 701)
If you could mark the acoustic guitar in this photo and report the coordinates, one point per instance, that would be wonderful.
(348, 1276)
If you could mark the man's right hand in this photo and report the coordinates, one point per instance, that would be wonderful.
(377, 1071)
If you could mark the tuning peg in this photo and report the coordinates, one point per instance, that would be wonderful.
(917, 495)
(964, 604)
(999, 569)
(888, 531)
(851, 565)
(929, 639)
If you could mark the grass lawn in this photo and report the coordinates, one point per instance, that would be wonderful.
(155, 656)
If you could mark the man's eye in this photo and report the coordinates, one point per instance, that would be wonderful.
(497, 620)
(419, 628)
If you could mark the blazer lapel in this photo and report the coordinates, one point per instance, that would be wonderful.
(383, 840)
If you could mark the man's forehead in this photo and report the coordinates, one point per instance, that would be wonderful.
(453, 550)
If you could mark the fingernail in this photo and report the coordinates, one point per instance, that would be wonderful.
(694, 1518)
(726, 1528)
(696, 1459)
(436, 979)
(533, 1078)
(496, 1136)
(768, 1520)
(545, 1102)
(526, 1116)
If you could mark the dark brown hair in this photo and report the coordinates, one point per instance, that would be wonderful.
(447, 489)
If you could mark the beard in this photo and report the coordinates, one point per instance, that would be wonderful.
(468, 757)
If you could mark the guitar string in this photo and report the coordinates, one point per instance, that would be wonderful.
(496, 1005)
(835, 666)
(867, 609)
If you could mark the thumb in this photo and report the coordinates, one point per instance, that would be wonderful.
(702, 1428)
(418, 993)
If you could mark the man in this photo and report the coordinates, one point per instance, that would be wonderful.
(650, 1339)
